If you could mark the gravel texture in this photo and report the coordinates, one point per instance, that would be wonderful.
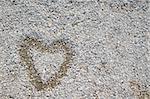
(74, 49)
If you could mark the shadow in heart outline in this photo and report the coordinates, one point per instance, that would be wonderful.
(54, 47)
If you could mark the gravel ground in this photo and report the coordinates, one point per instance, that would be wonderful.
(74, 49)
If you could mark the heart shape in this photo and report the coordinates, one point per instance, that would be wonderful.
(54, 47)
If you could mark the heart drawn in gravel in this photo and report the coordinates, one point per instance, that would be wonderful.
(55, 47)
